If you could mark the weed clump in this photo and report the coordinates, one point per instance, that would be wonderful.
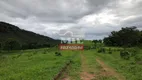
(110, 51)
(45, 51)
(86, 47)
(29, 55)
(125, 55)
(138, 57)
(3, 57)
(58, 54)
(101, 50)
(16, 56)
(35, 52)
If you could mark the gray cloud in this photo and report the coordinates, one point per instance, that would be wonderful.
(51, 10)
(96, 17)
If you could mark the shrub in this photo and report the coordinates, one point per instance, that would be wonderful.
(16, 56)
(19, 55)
(44, 52)
(138, 57)
(86, 47)
(58, 54)
(125, 55)
(3, 57)
(92, 47)
(110, 51)
(118, 49)
(135, 52)
(29, 55)
(102, 50)
(35, 52)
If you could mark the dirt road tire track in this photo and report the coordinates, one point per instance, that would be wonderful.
(84, 74)
(109, 71)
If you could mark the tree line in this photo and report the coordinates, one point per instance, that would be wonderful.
(13, 44)
(126, 37)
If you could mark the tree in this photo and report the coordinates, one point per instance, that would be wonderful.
(12, 44)
(126, 37)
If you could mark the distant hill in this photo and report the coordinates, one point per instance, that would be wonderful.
(9, 31)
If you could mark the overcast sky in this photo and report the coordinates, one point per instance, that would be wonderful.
(96, 18)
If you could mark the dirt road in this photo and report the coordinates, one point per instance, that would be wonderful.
(108, 71)
(105, 71)
(84, 74)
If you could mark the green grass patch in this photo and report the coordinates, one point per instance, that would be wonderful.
(129, 68)
(32, 64)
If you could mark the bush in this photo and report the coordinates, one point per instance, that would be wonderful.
(29, 54)
(44, 52)
(3, 57)
(135, 52)
(86, 47)
(58, 54)
(16, 56)
(92, 47)
(35, 52)
(125, 55)
(138, 57)
(102, 50)
(110, 51)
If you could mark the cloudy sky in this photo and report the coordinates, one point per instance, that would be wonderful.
(96, 18)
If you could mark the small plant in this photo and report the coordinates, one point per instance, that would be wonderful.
(138, 57)
(86, 47)
(16, 56)
(19, 55)
(125, 55)
(110, 51)
(133, 53)
(29, 55)
(3, 57)
(44, 52)
(13, 57)
(102, 50)
(58, 54)
(35, 52)
(118, 49)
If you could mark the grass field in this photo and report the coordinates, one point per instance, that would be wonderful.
(129, 68)
(38, 64)
(43, 64)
